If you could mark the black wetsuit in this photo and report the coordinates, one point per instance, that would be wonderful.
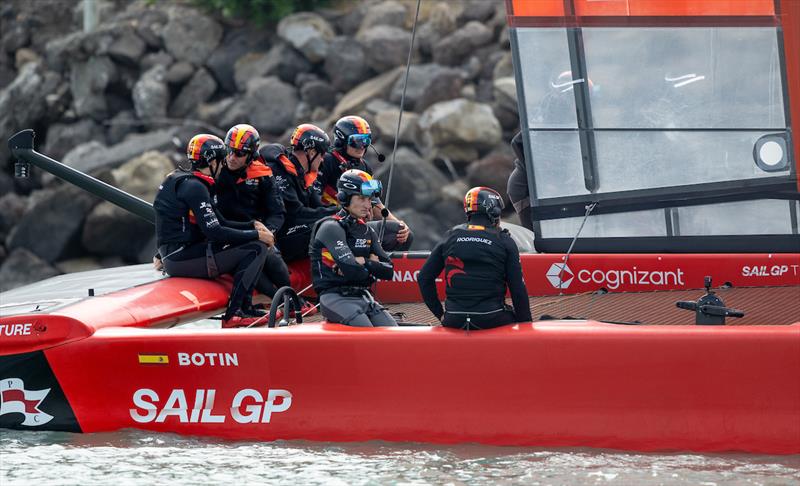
(333, 166)
(341, 282)
(517, 187)
(479, 262)
(194, 241)
(251, 194)
(302, 201)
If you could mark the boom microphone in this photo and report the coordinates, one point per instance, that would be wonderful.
(381, 157)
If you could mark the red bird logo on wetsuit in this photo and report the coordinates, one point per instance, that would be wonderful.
(453, 266)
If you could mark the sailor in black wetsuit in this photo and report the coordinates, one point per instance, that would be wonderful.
(295, 171)
(194, 242)
(517, 188)
(479, 260)
(346, 257)
(351, 138)
(246, 191)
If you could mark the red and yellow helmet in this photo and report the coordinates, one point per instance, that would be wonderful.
(242, 138)
(307, 136)
(484, 200)
(204, 148)
(356, 182)
(351, 131)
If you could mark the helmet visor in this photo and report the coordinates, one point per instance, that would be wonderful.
(371, 188)
(238, 152)
(359, 140)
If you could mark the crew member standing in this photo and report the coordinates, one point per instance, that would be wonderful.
(479, 261)
(346, 257)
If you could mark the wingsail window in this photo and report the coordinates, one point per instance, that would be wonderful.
(675, 131)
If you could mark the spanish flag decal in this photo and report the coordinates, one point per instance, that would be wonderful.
(153, 359)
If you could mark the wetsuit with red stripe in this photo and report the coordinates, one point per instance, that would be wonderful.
(251, 194)
(333, 166)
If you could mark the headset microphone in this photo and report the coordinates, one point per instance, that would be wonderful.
(381, 157)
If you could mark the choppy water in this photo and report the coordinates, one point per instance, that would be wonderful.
(145, 458)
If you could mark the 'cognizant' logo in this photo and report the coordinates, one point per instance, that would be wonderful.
(561, 277)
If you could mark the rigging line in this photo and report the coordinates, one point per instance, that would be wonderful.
(589, 209)
(400, 117)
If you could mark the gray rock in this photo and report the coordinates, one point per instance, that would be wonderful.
(23, 267)
(88, 81)
(191, 36)
(60, 214)
(198, 90)
(491, 171)
(282, 60)
(141, 175)
(127, 48)
(428, 84)
(13, 208)
(505, 93)
(180, 72)
(22, 103)
(93, 156)
(385, 126)
(452, 49)
(215, 112)
(415, 183)
(351, 21)
(3, 255)
(24, 55)
(63, 137)
(441, 22)
(428, 229)
(113, 231)
(17, 37)
(358, 97)
(151, 95)
(268, 104)
(460, 122)
(390, 13)
(235, 44)
(385, 47)
(318, 93)
(308, 33)
(120, 125)
(159, 58)
(504, 67)
(479, 10)
(346, 63)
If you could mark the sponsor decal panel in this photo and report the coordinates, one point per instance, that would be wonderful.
(248, 406)
(16, 329)
(770, 270)
(561, 276)
(14, 398)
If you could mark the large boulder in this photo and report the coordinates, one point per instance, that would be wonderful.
(151, 94)
(390, 13)
(63, 137)
(22, 103)
(199, 89)
(385, 47)
(346, 63)
(190, 35)
(128, 48)
(88, 82)
(441, 22)
(415, 182)
(22, 267)
(358, 97)
(92, 156)
(51, 227)
(318, 93)
(268, 104)
(14, 207)
(428, 228)
(428, 84)
(235, 44)
(491, 171)
(308, 33)
(460, 122)
(281, 60)
(385, 125)
(454, 48)
(112, 231)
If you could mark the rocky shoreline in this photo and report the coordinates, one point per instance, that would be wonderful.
(122, 101)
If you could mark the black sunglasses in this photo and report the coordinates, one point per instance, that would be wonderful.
(240, 152)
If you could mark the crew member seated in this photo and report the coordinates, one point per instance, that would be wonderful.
(246, 191)
(351, 138)
(479, 260)
(194, 241)
(346, 257)
(295, 171)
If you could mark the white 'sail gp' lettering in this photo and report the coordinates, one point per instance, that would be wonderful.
(248, 406)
